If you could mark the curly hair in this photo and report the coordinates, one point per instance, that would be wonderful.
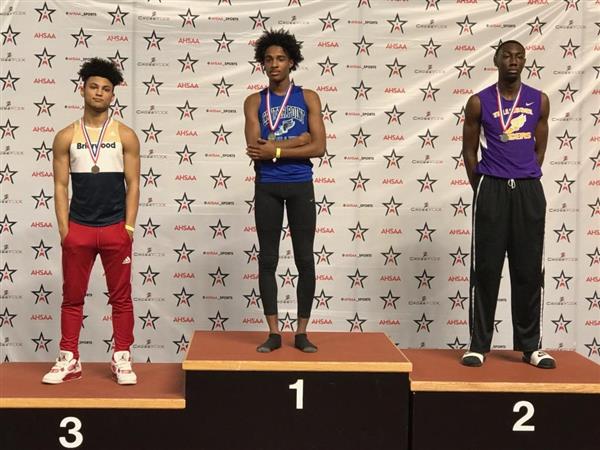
(283, 39)
(98, 67)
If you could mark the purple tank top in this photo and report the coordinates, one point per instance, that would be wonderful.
(516, 157)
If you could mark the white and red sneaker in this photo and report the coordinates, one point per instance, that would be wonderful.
(121, 368)
(66, 368)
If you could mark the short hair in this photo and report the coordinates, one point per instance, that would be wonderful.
(98, 67)
(283, 39)
(511, 41)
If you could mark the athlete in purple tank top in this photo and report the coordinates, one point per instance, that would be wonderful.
(508, 121)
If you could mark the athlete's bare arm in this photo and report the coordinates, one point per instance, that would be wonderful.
(471, 130)
(541, 130)
(131, 163)
(60, 168)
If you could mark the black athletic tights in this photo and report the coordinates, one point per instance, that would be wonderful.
(299, 200)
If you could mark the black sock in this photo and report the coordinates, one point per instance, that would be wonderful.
(301, 342)
(272, 343)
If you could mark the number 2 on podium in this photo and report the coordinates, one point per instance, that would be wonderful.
(298, 386)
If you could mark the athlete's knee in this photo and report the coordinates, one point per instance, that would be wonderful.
(268, 262)
(305, 263)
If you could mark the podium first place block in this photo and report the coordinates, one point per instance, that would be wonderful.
(351, 394)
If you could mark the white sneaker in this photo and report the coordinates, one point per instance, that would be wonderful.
(66, 368)
(121, 368)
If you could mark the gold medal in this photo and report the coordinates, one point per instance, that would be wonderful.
(271, 136)
(95, 169)
(504, 137)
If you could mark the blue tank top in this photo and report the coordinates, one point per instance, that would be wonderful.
(515, 158)
(294, 122)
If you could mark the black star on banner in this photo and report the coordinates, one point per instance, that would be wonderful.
(357, 279)
(250, 204)
(366, 3)
(464, 70)
(44, 106)
(428, 139)
(149, 228)
(45, 58)
(327, 114)
(356, 323)
(393, 159)
(568, 93)
(466, 26)
(566, 140)
(118, 16)
(149, 276)
(45, 13)
(81, 38)
(110, 344)
(561, 324)
(394, 116)
(327, 67)
(391, 207)
(391, 257)
(426, 183)
(188, 18)
(360, 138)
(218, 322)
(562, 280)
(185, 155)
(563, 234)
(432, 4)
(496, 323)
(9, 36)
(286, 232)
(257, 67)
(6, 318)
(118, 60)
(564, 184)
(425, 233)
(595, 207)
(6, 273)
(151, 133)
(223, 43)
(431, 48)
(536, 26)
(41, 250)
(182, 344)
(359, 182)
(397, 24)
(323, 256)
(8, 81)
(569, 49)
(151, 178)
(424, 280)
(220, 179)
(362, 46)
(149, 321)
(460, 207)
(429, 92)
(187, 111)
(594, 257)
(253, 299)
(116, 108)
(502, 5)
(358, 232)
(219, 230)
(456, 345)
(7, 175)
(218, 277)
(187, 63)
(459, 257)
(185, 203)
(361, 90)
(287, 323)
(534, 70)
(571, 4)
(41, 343)
(252, 254)
(42, 200)
(423, 323)
(6, 225)
(460, 117)
(8, 130)
(328, 22)
(594, 348)
(153, 41)
(458, 301)
(594, 301)
(324, 206)
(183, 253)
(596, 117)
(221, 135)
(183, 298)
(288, 279)
(152, 85)
(322, 300)
(325, 160)
(259, 21)
(41, 295)
(389, 300)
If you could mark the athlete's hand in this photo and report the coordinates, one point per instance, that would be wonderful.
(263, 149)
(63, 233)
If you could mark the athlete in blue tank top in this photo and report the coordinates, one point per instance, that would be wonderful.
(284, 129)
(508, 121)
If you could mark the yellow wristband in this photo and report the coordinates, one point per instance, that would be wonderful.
(129, 228)
(278, 152)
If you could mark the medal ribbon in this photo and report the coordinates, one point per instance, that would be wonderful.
(273, 126)
(95, 154)
(506, 125)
